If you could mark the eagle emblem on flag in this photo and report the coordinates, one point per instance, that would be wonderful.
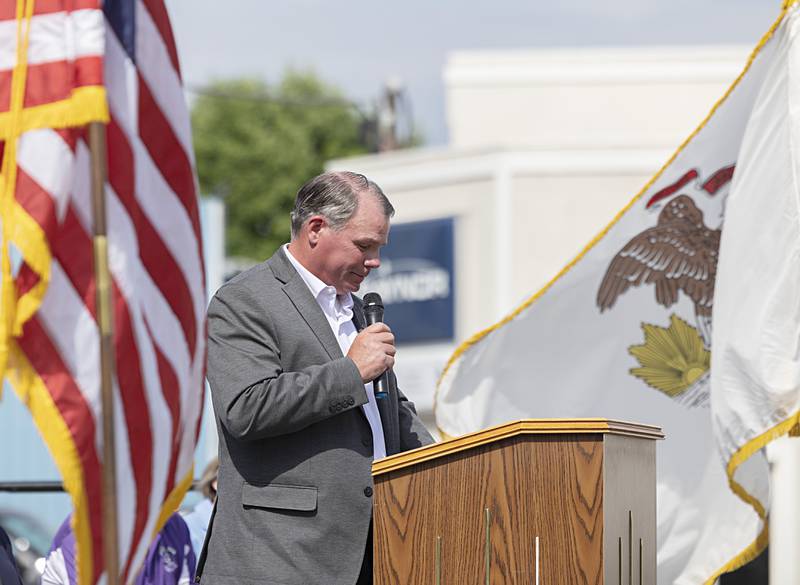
(677, 256)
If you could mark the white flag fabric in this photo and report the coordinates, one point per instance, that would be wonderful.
(625, 330)
(755, 374)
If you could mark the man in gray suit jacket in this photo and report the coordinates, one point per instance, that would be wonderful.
(290, 363)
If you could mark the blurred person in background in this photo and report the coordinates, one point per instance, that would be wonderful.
(197, 520)
(9, 575)
(170, 559)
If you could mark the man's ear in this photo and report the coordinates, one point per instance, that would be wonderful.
(315, 225)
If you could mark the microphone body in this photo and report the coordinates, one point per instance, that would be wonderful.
(373, 313)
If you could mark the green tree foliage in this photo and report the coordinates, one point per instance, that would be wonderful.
(255, 144)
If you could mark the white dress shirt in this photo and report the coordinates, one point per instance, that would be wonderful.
(338, 311)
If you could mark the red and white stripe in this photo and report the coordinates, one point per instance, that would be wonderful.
(155, 256)
(65, 49)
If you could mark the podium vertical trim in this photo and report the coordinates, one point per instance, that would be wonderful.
(488, 551)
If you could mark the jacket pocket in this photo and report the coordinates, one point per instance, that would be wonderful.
(280, 497)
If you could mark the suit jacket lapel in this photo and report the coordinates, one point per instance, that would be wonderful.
(297, 291)
(359, 320)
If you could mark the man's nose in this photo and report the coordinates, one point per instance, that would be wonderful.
(373, 262)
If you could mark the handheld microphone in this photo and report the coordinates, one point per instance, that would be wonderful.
(373, 312)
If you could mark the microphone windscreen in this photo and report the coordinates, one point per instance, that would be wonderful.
(372, 299)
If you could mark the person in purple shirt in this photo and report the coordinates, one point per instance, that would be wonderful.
(170, 559)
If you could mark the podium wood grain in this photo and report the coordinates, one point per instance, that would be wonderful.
(549, 486)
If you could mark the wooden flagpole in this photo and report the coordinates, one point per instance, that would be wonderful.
(97, 147)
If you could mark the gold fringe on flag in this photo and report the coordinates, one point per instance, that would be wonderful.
(85, 104)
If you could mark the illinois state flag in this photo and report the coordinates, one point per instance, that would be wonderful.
(625, 331)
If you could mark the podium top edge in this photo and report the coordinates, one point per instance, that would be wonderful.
(531, 426)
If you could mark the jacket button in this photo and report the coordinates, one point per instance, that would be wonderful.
(350, 401)
(368, 491)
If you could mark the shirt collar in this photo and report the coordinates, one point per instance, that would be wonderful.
(335, 305)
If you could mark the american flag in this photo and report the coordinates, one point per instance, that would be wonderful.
(70, 54)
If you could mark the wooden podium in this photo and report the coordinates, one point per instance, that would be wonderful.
(549, 502)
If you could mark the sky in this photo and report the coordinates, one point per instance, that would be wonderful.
(358, 45)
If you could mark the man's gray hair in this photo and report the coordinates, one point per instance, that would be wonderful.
(334, 195)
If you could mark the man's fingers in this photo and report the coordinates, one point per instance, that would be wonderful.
(377, 328)
(377, 332)
(373, 350)
(385, 338)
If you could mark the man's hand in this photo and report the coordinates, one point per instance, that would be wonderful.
(373, 351)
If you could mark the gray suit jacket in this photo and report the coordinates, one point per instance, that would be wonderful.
(294, 498)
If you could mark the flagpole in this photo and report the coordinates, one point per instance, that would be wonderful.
(97, 147)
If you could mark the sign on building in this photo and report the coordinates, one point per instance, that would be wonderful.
(415, 281)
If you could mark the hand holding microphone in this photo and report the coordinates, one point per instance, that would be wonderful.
(380, 339)
(373, 349)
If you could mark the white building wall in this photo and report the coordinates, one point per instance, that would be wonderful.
(578, 98)
(557, 213)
